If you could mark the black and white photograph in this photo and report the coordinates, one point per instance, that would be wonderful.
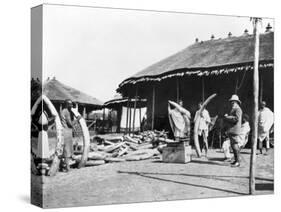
(132, 105)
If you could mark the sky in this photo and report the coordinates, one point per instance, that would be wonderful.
(95, 49)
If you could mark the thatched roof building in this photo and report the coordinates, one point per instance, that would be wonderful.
(58, 92)
(222, 66)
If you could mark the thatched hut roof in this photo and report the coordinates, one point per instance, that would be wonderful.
(114, 103)
(57, 91)
(212, 57)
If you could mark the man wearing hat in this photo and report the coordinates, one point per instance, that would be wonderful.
(234, 120)
(265, 123)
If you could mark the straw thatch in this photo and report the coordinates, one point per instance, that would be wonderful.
(211, 57)
(114, 103)
(57, 91)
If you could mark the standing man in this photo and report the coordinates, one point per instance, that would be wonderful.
(234, 121)
(203, 128)
(265, 123)
(66, 120)
(179, 119)
(244, 133)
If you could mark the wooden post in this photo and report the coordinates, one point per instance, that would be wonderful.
(153, 107)
(140, 118)
(261, 89)
(135, 105)
(84, 113)
(127, 117)
(203, 90)
(103, 119)
(60, 108)
(255, 107)
(130, 119)
(178, 90)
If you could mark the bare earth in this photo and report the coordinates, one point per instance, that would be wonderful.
(152, 180)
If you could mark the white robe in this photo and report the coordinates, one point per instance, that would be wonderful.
(204, 121)
(265, 122)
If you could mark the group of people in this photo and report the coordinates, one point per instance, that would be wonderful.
(236, 124)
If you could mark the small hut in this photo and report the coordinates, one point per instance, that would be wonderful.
(58, 92)
(222, 66)
(130, 113)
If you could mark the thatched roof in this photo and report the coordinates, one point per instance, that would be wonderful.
(212, 57)
(114, 103)
(57, 91)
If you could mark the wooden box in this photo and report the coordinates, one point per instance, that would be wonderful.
(177, 153)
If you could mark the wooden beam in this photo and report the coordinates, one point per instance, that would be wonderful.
(153, 107)
(252, 181)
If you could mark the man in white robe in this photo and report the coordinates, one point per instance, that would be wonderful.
(203, 127)
(265, 123)
(179, 119)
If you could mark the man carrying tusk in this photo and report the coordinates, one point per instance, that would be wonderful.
(179, 119)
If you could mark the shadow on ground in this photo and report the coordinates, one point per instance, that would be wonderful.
(146, 175)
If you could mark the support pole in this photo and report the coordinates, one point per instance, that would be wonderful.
(153, 107)
(84, 113)
(127, 117)
(261, 89)
(103, 119)
(255, 107)
(140, 118)
(135, 105)
(60, 108)
(203, 90)
(130, 118)
(178, 90)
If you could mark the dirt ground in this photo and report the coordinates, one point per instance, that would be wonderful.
(153, 180)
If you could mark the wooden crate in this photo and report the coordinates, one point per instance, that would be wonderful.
(179, 153)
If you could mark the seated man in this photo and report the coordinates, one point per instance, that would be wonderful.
(243, 138)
